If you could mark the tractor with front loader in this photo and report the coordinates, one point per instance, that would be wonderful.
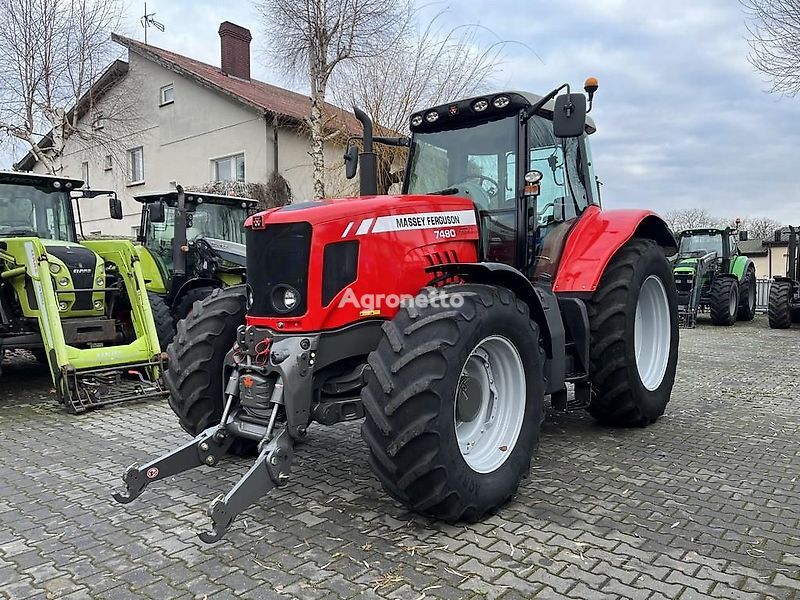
(79, 306)
(784, 292)
(443, 316)
(712, 274)
(190, 243)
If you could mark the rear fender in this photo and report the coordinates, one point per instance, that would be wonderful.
(597, 236)
(739, 267)
(542, 304)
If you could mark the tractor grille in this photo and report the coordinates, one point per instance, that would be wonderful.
(277, 261)
(81, 263)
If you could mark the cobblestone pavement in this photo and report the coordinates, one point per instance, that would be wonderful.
(704, 503)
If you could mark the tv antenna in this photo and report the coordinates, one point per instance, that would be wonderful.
(148, 21)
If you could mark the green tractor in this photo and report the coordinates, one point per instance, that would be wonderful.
(79, 307)
(191, 243)
(712, 274)
(784, 292)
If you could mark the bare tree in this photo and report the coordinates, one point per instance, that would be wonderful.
(691, 218)
(429, 66)
(774, 27)
(760, 228)
(315, 37)
(51, 54)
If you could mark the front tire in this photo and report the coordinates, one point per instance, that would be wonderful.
(162, 317)
(440, 440)
(747, 296)
(196, 357)
(633, 318)
(724, 300)
(780, 309)
(186, 303)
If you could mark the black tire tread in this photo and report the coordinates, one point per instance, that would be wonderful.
(719, 301)
(399, 429)
(780, 313)
(614, 400)
(201, 343)
(162, 317)
(746, 312)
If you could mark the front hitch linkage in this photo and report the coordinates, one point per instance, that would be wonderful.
(270, 469)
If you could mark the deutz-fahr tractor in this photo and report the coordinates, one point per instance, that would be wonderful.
(711, 273)
(191, 244)
(79, 307)
(444, 315)
(784, 292)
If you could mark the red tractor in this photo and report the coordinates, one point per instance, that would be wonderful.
(444, 315)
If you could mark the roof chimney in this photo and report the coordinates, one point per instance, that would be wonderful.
(235, 48)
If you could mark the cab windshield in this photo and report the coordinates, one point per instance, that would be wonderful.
(701, 243)
(477, 161)
(35, 212)
(220, 221)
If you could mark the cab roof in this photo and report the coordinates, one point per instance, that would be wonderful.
(38, 180)
(171, 196)
(464, 111)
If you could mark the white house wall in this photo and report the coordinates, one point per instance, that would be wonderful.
(179, 141)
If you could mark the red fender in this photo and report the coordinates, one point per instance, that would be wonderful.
(596, 238)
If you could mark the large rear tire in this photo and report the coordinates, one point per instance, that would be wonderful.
(747, 296)
(780, 309)
(633, 317)
(724, 300)
(454, 402)
(196, 357)
(165, 325)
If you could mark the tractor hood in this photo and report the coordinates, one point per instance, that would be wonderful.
(323, 265)
(83, 266)
(378, 213)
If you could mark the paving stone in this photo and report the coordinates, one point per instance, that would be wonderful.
(704, 503)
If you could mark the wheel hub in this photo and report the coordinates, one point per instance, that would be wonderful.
(468, 402)
(490, 401)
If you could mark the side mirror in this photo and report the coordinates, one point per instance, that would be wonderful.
(569, 116)
(115, 208)
(743, 236)
(351, 161)
(156, 212)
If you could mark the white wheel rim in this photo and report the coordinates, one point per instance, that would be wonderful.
(652, 333)
(490, 404)
(751, 295)
(733, 302)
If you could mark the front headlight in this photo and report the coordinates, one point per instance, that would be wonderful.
(285, 298)
(63, 282)
(54, 268)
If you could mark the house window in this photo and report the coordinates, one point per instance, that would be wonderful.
(167, 94)
(228, 168)
(109, 162)
(85, 173)
(136, 165)
(98, 121)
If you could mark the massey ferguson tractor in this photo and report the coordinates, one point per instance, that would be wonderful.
(444, 315)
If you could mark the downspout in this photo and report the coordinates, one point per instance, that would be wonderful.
(275, 144)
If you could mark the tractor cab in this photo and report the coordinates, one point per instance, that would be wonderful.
(472, 148)
(213, 225)
(37, 206)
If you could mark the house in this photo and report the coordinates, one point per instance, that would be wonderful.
(172, 119)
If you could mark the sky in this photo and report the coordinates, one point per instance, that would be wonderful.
(683, 119)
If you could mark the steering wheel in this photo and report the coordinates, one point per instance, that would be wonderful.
(491, 189)
(544, 218)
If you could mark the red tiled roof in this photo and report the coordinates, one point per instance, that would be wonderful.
(257, 94)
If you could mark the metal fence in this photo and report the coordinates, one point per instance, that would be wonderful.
(762, 294)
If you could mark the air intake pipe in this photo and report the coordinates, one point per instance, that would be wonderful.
(368, 172)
